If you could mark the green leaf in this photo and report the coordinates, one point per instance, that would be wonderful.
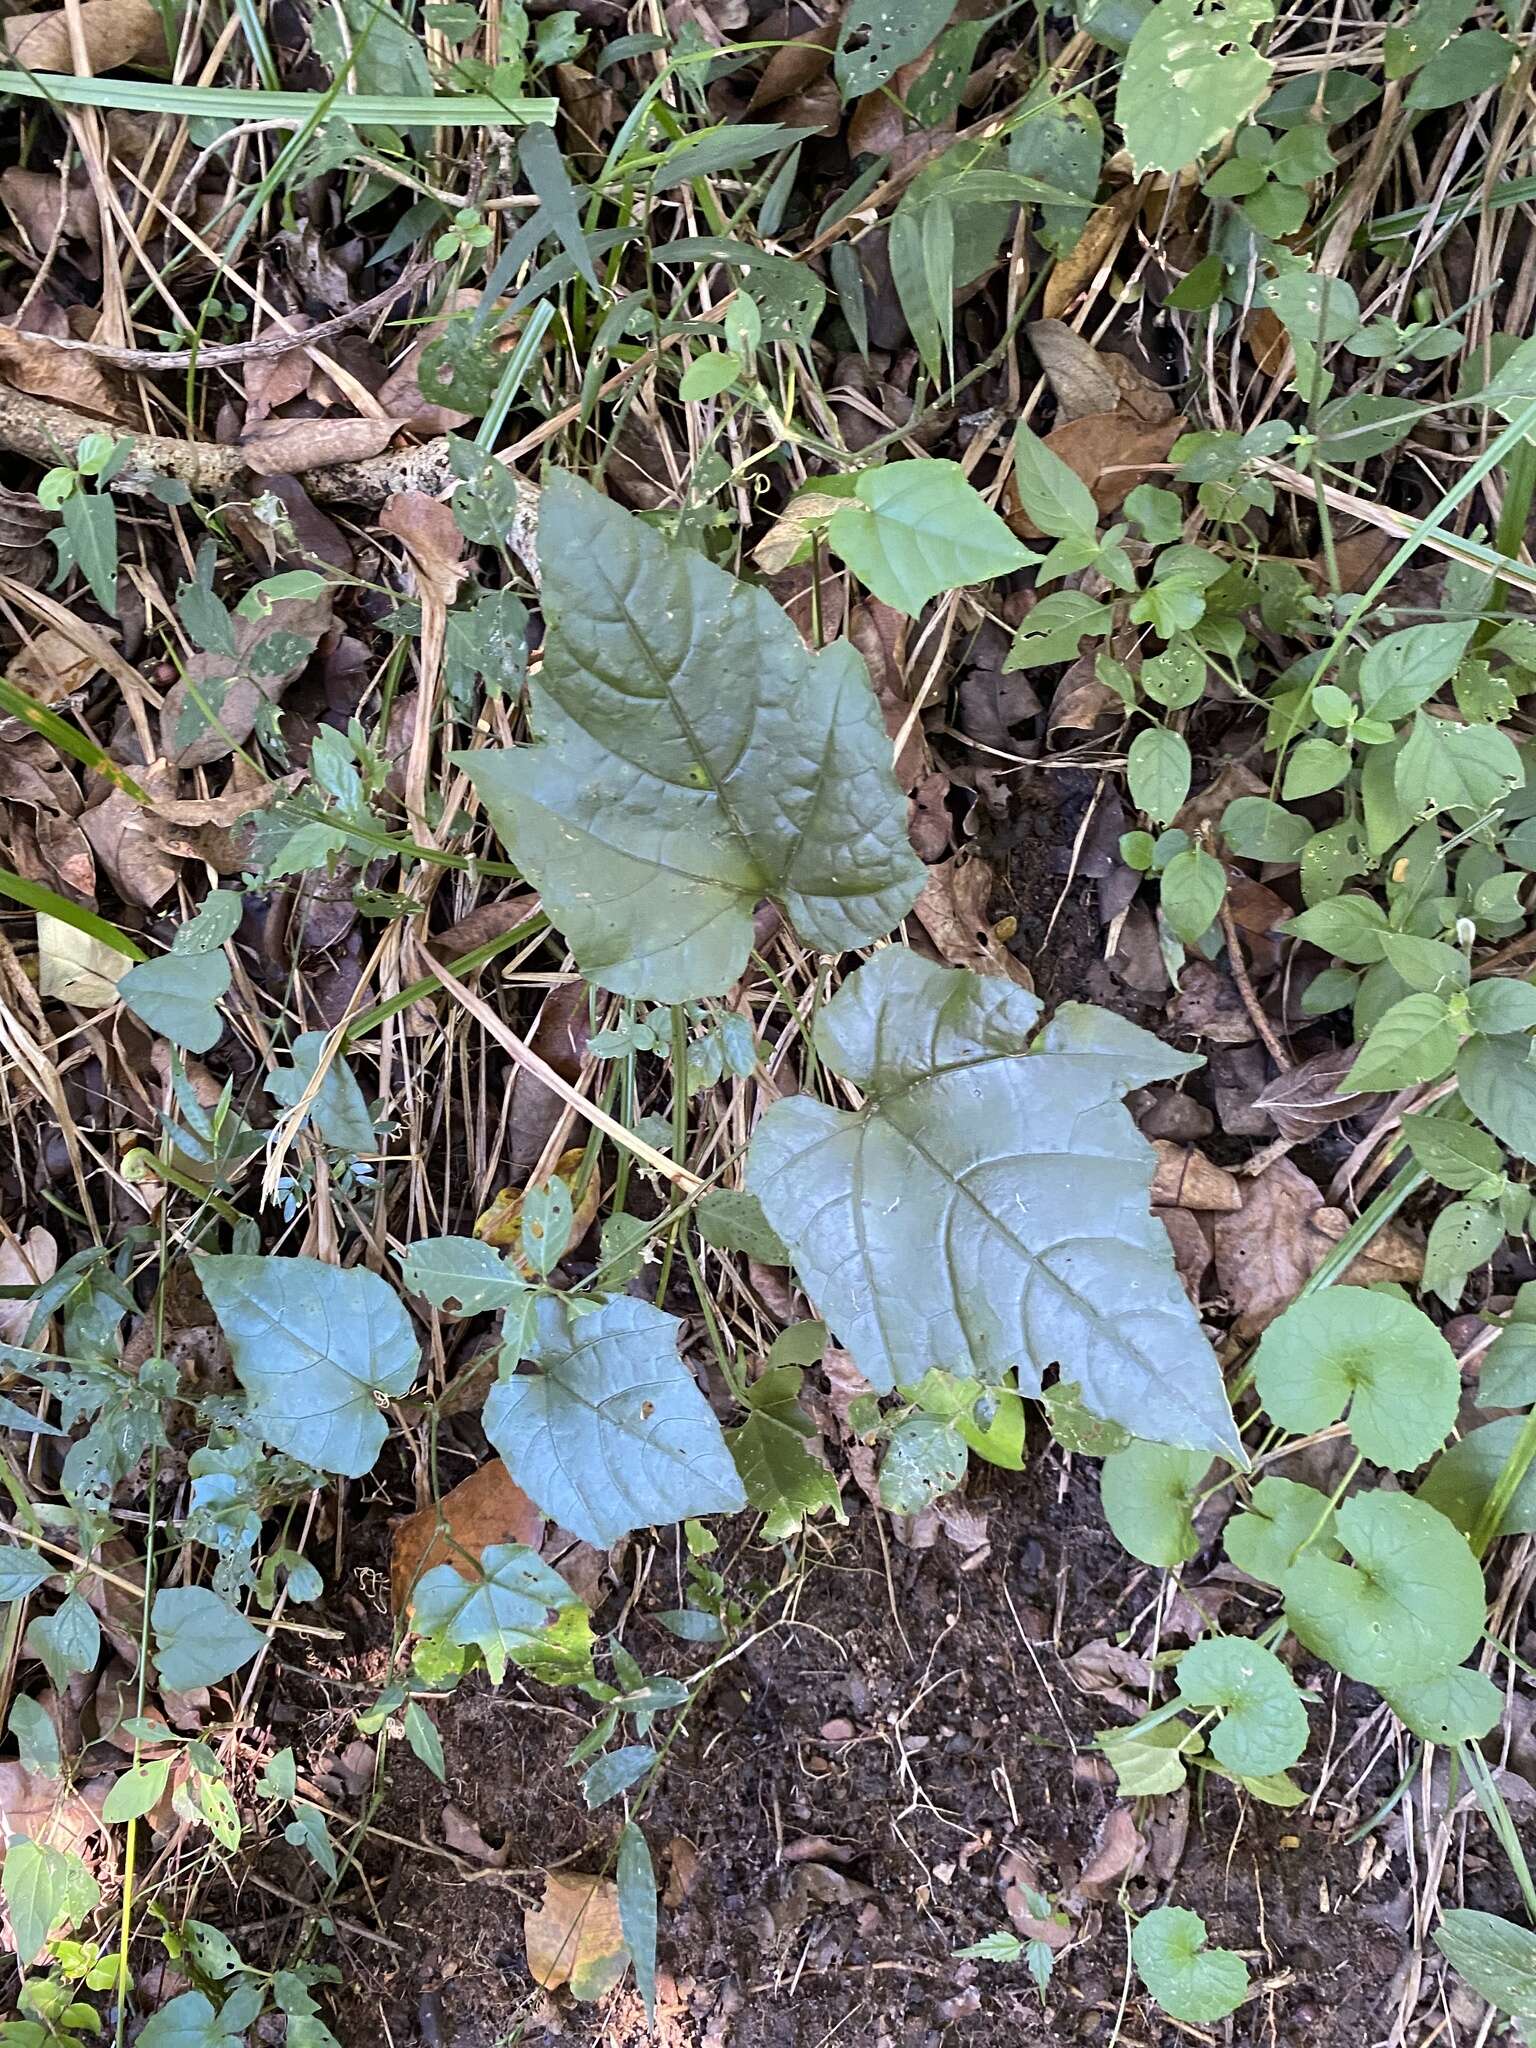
(1474, 63)
(1461, 1481)
(1502, 1006)
(1189, 77)
(1415, 1040)
(1403, 670)
(1001, 1442)
(1159, 768)
(1425, 964)
(1149, 1493)
(1263, 1725)
(199, 1638)
(44, 1888)
(1466, 769)
(782, 1478)
(1315, 766)
(544, 167)
(189, 2021)
(1054, 626)
(1189, 1981)
(926, 1457)
(657, 810)
(1281, 1515)
(612, 1434)
(1460, 1706)
(22, 1572)
(1062, 143)
(136, 1791)
(988, 1205)
(378, 53)
(879, 36)
(1149, 1762)
(1508, 1377)
(316, 1348)
(1194, 889)
(707, 376)
(1463, 1236)
(338, 1111)
(1378, 1357)
(1349, 927)
(463, 1273)
(504, 1613)
(90, 520)
(614, 1772)
(724, 149)
(176, 994)
(733, 1221)
(67, 1641)
(1409, 1608)
(1497, 1082)
(1497, 1958)
(916, 528)
(1054, 496)
(637, 1912)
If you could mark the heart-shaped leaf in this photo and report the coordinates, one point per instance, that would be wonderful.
(1263, 1725)
(783, 1480)
(1148, 1493)
(44, 1886)
(1459, 1482)
(916, 528)
(612, 1433)
(176, 997)
(199, 1638)
(1409, 1608)
(315, 1347)
(1460, 1706)
(1189, 1981)
(988, 1206)
(462, 1273)
(693, 759)
(1376, 1356)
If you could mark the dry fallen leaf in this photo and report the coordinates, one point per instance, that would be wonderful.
(52, 665)
(31, 363)
(47, 212)
(460, 1833)
(1282, 1233)
(575, 1937)
(46, 1810)
(432, 539)
(1119, 1851)
(485, 1508)
(114, 32)
(1095, 247)
(953, 911)
(1307, 1100)
(24, 1262)
(796, 65)
(1185, 1179)
(125, 842)
(72, 967)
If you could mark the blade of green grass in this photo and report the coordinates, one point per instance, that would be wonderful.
(61, 734)
(198, 102)
(36, 897)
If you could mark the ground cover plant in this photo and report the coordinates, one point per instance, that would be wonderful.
(765, 914)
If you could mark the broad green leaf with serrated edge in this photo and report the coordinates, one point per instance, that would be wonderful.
(1461, 1706)
(612, 1434)
(1497, 1958)
(1380, 1358)
(504, 1613)
(1263, 1725)
(42, 1887)
(1189, 1981)
(1148, 1493)
(1189, 77)
(693, 758)
(1460, 1481)
(1415, 1040)
(316, 1347)
(988, 1206)
(784, 1481)
(916, 528)
(1404, 670)
(1409, 1608)
(1281, 1516)
(199, 1638)
(176, 997)
(636, 1878)
(1497, 1082)
(1149, 1762)
(463, 1273)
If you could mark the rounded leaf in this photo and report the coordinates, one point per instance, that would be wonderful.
(1281, 1515)
(1263, 1725)
(1460, 1706)
(1189, 1981)
(1149, 1492)
(1371, 1354)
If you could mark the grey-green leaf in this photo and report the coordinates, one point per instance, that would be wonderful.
(925, 1457)
(1497, 1958)
(1461, 1481)
(461, 1273)
(199, 1638)
(1187, 81)
(338, 1111)
(612, 1433)
(176, 997)
(637, 1912)
(879, 36)
(1459, 1706)
(42, 1887)
(1498, 1084)
(693, 758)
(1148, 1493)
(988, 1207)
(317, 1348)
(1376, 1356)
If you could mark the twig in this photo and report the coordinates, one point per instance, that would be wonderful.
(1256, 1016)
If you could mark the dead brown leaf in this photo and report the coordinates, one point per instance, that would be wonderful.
(126, 843)
(486, 1508)
(400, 393)
(31, 363)
(953, 911)
(271, 381)
(1190, 1235)
(1307, 1100)
(460, 1833)
(283, 447)
(560, 1039)
(431, 538)
(24, 1262)
(1085, 380)
(52, 665)
(1185, 1179)
(1108, 1672)
(47, 209)
(575, 1936)
(1266, 1250)
(1209, 1006)
(47, 1810)
(1095, 248)
(114, 32)
(796, 65)
(1119, 1850)
(1267, 340)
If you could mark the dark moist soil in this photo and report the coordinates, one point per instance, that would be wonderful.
(970, 1756)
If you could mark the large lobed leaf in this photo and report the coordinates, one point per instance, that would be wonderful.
(612, 1434)
(693, 759)
(988, 1206)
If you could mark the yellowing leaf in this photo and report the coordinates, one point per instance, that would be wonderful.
(575, 1937)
